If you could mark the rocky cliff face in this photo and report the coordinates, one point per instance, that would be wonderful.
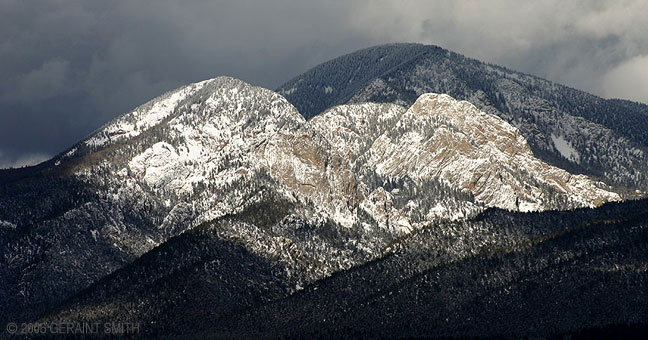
(452, 141)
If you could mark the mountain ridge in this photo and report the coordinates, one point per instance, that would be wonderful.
(609, 135)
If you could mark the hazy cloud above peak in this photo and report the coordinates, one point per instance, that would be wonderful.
(70, 66)
(572, 42)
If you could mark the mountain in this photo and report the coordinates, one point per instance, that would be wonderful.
(203, 152)
(577, 131)
(218, 202)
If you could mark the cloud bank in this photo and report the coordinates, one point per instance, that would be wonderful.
(69, 66)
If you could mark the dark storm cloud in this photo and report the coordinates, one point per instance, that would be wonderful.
(69, 66)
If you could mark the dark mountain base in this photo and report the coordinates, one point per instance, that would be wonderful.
(582, 274)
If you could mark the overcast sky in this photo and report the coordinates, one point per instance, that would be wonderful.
(69, 66)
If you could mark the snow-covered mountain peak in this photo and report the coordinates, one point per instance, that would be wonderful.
(213, 103)
(143, 117)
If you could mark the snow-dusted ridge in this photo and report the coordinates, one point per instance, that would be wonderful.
(438, 138)
(144, 117)
(372, 168)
